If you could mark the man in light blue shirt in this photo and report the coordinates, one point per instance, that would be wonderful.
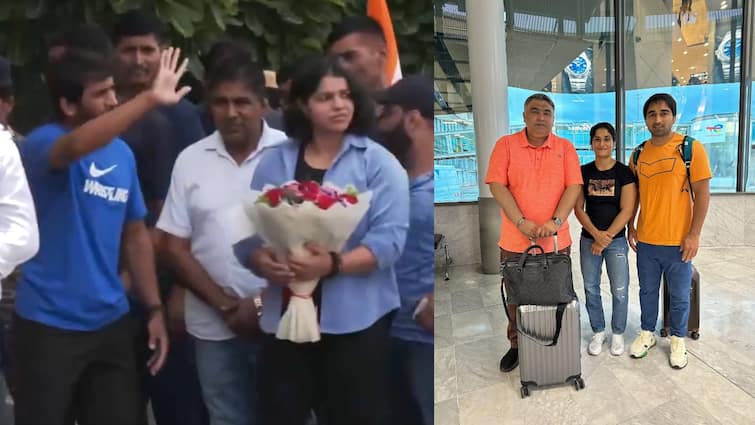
(406, 127)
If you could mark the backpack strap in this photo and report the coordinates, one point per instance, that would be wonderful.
(685, 150)
(636, 155)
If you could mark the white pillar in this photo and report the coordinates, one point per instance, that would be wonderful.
(488, 69)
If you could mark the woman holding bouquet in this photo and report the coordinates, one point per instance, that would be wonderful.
(343, 376)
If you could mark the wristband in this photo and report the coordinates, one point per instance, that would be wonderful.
(336, 267)
(520, 221)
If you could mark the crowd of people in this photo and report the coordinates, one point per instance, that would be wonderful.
(656, 205)
(130, 292)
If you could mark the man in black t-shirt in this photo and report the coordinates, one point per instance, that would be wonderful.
(604, 208)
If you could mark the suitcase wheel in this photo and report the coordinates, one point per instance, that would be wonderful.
(525, 391)
(694, 335)
(664, 333)
(579, 384)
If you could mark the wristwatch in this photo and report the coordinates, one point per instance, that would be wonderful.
(558, 221)
(723, 53)
(578, 71)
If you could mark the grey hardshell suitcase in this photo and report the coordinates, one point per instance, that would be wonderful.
(540, 361)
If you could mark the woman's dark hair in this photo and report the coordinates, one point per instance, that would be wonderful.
(69, 77)
(604, 125)
(304, 84)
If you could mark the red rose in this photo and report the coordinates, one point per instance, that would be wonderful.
(324, 201)
(349, 198)
(310, 190)
(274, 196)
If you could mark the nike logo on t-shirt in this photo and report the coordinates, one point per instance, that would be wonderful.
(96, 172)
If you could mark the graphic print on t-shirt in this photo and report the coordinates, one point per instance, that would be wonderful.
(661, 166)
(601, 187)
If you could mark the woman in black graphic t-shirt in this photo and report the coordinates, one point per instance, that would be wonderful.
(604, 209)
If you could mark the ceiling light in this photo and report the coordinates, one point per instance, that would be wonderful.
(677, 70)
(684, 52)
(723, 6)
(706, 44)
(691, 67)
(705, 54)
(679, 39)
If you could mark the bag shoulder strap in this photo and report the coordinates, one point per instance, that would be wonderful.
(685, 150)
(560, 310)
(636, 155)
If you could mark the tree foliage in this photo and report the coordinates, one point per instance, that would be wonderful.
(279, 30)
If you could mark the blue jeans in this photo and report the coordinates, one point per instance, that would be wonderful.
(653, 261)
(175, 392)
(615, 255)
(228, 376)
(413, 373)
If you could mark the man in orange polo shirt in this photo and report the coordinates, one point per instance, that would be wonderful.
(535, 177)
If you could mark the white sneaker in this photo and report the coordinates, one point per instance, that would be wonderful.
(596, 345)
(644, 342)
(678, 356)
(617, 345)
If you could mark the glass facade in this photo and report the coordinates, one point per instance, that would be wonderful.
(691, 50)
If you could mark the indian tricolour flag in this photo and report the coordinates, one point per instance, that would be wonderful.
(378, 10)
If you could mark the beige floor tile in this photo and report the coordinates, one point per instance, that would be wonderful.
(491, 295)
(470, 326)
(447, 412)
(465, 300)
(443, 330)
(442, 306)
(445, 375)
(477, 363)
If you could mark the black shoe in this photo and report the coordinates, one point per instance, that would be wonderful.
(510, 360)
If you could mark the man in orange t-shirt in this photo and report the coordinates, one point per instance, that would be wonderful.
(535, 177)
(667, 234)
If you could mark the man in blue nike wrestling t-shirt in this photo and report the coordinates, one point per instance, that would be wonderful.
(74, 340)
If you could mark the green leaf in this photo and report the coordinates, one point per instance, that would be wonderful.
(287, 14)
(233, 21)
(271, 37)
(218, 15)
(253, 22)
(6, 8)
(311, 43)
(34, 8)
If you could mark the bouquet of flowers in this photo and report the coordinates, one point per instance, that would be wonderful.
(289, 216)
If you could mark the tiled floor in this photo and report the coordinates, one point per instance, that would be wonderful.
(717, 386)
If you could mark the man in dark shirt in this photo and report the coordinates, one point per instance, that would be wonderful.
(157, 140)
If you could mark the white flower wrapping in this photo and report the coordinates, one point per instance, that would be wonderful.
(286, 228)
